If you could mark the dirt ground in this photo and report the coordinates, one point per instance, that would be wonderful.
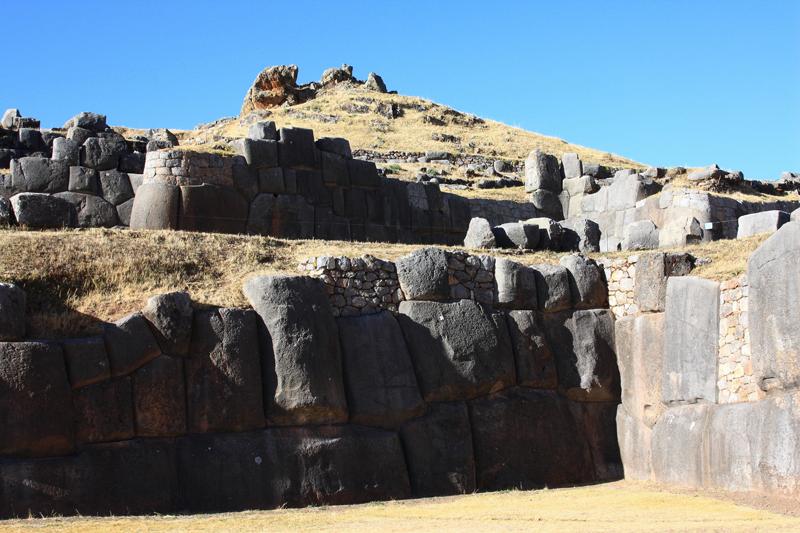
(621, 506)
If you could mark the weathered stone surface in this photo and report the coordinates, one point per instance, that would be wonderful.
(535, 364)
(259, 153)
(91, 121)
(680, 232)
(553, 287)
(334, 169)
(124, 211)
(115, 187)
(129, 344)
(677, 445)
(12, 312)
(223, 372)
(381, 385)
(641, 235)
(598, 425)
(423, 275)
(159, 398)
(459, 350)
(650, 282)
(691, 339)
(516, 285)
(155, 207)
(101, 154)
(85, 180)
(296, 148)
(335, 145)
(104, 411)
(516, 235)
(66, 150)
(527, 439)
(281, 215)
(6, 212)
(581, 235)
(363, 174)
(170, 315)
(479, 234)
(303, 370)
(90, 211)
(542, 171)
(640, 353)
(79, 135)
(583, 345)
(762, 222)
(573, 168)
(35, 403)
(263, 130)
(628, 189)
(547, 203)
(550, 232)
(133, 477)
(439, 452)
(774, 309)
(211, 208)
(8, 118)
(86, 360)
(634, 445)
(587, 282)
(580, 185)
(39, 174)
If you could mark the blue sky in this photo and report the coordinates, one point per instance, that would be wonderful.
(663, 82)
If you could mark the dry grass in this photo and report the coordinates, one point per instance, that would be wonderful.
(408, 133)
(622, 506)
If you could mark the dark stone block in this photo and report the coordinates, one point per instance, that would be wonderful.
(536, 366)
(31, 140)
(223, 373)
(155, 206)
(129, 344)
(460, 350)
(363, 174)
(159, 398)
(35, 402)
(281, 216)
(334, 170)
(438, 449)
(259, 153)
(310, 185)
(102, 154)
(170, 316)
(381, 386)
(329, 226)
(271, 180)
(132, 163)
(38, 174)
(213, 209)
(527, 439)
(40, 210)
(85, 180)
(301, 360)
(335, 145)
(597, 422)
(104, 411)
(296, 148)
(86, 360)
(246, 180)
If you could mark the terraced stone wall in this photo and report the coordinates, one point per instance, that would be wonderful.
(184, 409)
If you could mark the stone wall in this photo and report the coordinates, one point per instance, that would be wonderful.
(184, 409)
(621, 274)
(709, 375)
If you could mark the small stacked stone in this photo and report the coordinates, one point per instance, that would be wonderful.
(471, 277)
(736, 382)
(358, 286)
(181, 167)
(620, 274)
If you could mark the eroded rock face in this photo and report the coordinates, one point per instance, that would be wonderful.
(273, 87)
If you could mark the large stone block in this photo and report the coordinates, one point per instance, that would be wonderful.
(587, 282)
(102, 154)
(438, 449)
(159, 398)
(155, 207)
(423, 275)
(381, 385)
(583, 345)
(763, 222)
(598, 425)
(334, 170)
(580, 235)
(479, 234)
(634, 438)
(115, 187)
(296, 148)
(66, 150)
(640, 353)
(131, 477)
(302, 361)
(335, 145)
(35, 402)
(281, 216)
(12, 312)
(460, 350)
(39, 211)
(774, 309)
(213, 209)
(553, 287)
(363, 174)
(691, 340)
(640, 235)
(628, 189)
(527, 439)
(650, 282)
(547, 203)
(535, 364)
(678, 454)
(519, 235)
(39, 174)
(516, 285)
(129, 344)
(259, 153)
(104, 411)
(542, 171)
(86, 361)
(223, 372)
(573, 168)
(90, 211)
(170, 314)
